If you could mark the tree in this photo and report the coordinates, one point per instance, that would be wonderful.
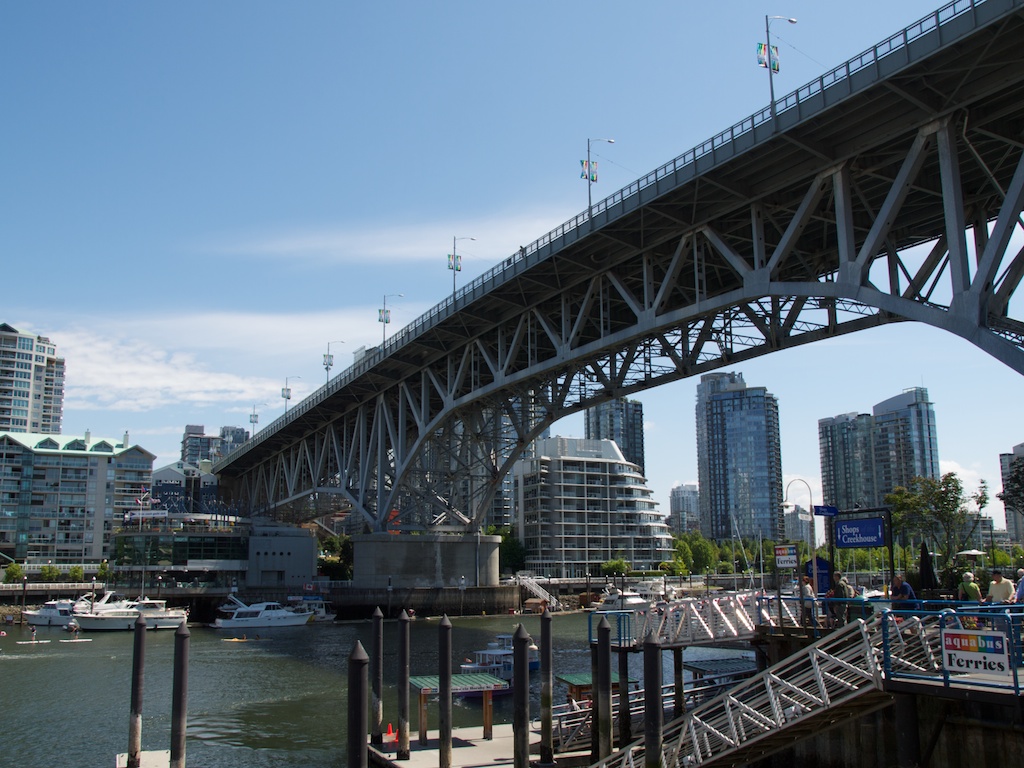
(618, 567)
(103, 573)
(76, 573)
(49, 573)
(13, 573)
(682, 558)
(937, 510)
(705, 554)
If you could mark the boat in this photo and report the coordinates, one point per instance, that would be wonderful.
(497, 659)
(616, 599)
(52, 613)
(318, 604)
(155, 612)
(237, 615)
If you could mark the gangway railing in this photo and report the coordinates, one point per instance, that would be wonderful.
(841, 670)
(534, 588)
(848, 672)
(690, 621)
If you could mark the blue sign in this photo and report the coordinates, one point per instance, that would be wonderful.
(867, 532)
(826, 511)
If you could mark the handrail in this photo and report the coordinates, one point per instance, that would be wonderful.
(573, 228)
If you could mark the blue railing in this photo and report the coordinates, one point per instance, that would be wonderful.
(970, 646)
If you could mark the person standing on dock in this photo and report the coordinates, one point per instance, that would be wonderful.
(807, 608)
(1019, 594)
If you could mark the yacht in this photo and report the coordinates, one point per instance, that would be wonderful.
(155, 612)
(237, 615)
(53, 613)
(321, 609)
(616, 599)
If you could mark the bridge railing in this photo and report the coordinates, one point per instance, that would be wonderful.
(805, 98)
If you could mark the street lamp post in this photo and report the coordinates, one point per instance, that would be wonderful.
(329, 358)
(771, 62)
(385, 317)
(811, 532)
(286, 391)
(455, 262)
(590, 173)
(254, 418)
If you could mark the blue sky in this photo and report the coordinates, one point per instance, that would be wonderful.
(195, 198)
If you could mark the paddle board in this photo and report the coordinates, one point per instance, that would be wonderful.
(31, 642)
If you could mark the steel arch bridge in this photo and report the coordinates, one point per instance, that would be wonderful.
(887, 190)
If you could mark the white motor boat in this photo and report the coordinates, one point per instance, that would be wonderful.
(321, 609)
(155, 612)
(622, 600)
(237, 615)
(53, 613)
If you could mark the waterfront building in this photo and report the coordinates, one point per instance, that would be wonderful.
(864, 457)
(739, 459)
(621, 420)
(31, 383)
(684, 509)
(181, 487)
(61, 497)
(201, 550)
(1014, 517)
(798, 524)
(581, 504)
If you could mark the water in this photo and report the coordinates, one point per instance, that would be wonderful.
(276, 703)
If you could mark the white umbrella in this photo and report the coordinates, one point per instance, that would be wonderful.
(970, 553)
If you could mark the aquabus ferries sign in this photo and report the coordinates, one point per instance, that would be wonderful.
(970, 651)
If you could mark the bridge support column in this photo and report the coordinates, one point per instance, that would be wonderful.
(908, 738)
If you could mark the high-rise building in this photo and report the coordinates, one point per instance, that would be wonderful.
(31, 383)
(581, 504)
(905, 441)
(739, 459)
(1014, 517)
(864, 457)
(62, 497)
(798, 524)
(684, 509)
(847, 461)
(197, 446)
(621, 420)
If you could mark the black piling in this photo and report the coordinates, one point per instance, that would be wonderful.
(625, 721)
(444, 693)
(654, 714)
(603, 689)
(521, 698)
(594, 747)
(138, 677)
(376, 702)
(358, 698)
(547, 686)
(403, 686)
(179, 695)
(679, 706)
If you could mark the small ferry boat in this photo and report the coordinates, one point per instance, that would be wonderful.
(155, 612)
(237, 615)
(497, 659)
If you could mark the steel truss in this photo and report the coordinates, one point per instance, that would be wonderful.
(900, 203)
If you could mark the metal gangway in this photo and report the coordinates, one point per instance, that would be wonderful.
(534, 588)
(692, 621)
(847, 673)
